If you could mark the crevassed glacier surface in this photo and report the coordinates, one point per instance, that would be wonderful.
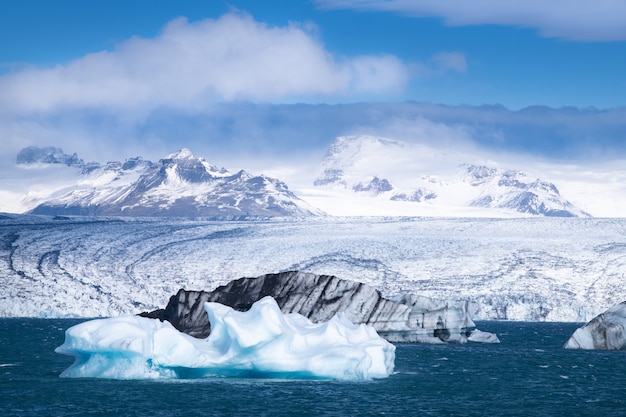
(535, 269)
(261, 342)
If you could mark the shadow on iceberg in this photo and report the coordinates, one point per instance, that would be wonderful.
(409, 319)
(606, 331)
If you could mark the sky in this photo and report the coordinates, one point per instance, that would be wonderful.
(245, 80)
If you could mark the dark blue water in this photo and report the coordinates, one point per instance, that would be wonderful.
(528, 374)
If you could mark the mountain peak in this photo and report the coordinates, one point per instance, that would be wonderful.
(183, 153)
(180, 185)
(425, 176)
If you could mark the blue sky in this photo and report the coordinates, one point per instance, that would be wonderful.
(111, 79)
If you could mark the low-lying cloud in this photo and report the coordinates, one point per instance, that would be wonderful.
(260, 135)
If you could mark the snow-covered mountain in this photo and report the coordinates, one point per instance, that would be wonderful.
(179, 185)
(391, 170)
(534, 268)
(514, 190)
(360, 175)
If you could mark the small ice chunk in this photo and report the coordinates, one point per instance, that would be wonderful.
(261, 342)
(482, 337)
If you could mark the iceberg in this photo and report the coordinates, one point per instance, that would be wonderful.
(261, 342)
(606, 331)
(410, 318)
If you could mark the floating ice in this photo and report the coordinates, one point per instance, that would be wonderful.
(607, 331)
(262, 342)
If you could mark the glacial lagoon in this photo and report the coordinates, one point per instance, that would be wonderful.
(527, 374)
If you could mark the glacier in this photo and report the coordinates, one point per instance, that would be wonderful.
(261, 342)
(532, 269)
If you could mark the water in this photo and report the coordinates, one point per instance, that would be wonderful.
(528, 374)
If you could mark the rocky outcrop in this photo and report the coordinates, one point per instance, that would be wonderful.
(604, 332)
(319, 298)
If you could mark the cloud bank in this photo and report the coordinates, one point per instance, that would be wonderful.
(577, 20)
(232, 130)
(191, 64)
(231, 86)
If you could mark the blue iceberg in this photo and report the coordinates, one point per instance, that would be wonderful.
(261, 342)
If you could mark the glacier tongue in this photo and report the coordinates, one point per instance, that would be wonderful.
(535, 269)
(261, 342)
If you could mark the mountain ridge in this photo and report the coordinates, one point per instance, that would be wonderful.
(179, 185)
(361, 175)
(391, 170)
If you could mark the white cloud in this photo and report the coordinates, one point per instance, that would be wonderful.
(376, 74)
(439, 64)
(191, 64)
(261, 136)
(450, 61)
(580, 20)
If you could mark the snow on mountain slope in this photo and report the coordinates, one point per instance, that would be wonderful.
(598, 188)
(178, 185)
(434, 180)
(536, 268)
(516, 191)
(361, 175)
(97, 186)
